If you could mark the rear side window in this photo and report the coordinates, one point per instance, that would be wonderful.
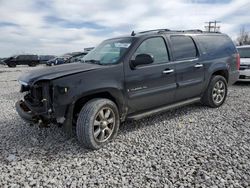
(244, 52)
(183, 47)
(21, 57)
(216, 45)
(155, 47)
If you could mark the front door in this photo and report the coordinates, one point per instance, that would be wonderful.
(152, 85)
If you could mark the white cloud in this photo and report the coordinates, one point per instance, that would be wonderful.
(33, 33)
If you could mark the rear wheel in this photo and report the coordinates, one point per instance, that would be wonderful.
(216, 92)
(98, 123)
(32, 64)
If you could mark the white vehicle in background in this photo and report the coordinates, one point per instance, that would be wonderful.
(244, 52)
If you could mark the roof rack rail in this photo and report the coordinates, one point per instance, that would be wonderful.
(190, 30)
(168, 30)
(148, 31)
(194, 30)
(159, 30)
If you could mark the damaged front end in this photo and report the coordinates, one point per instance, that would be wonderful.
(36, 107)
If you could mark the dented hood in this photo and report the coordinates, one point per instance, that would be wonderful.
(50, 73)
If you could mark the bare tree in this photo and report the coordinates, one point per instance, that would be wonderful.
(244, 37)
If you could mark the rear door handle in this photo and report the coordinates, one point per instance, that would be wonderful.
(198, 66)
(168, 71)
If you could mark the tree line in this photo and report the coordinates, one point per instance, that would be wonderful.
(244, 37)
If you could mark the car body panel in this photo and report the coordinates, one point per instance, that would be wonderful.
(50, 73)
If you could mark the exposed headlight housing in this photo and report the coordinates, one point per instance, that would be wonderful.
(24, 86)
(23, 83)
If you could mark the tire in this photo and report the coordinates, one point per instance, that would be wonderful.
(91, 120)
(32, 64)
(216, 92)
(11, 64)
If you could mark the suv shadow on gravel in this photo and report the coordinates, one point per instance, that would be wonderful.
(130, 77)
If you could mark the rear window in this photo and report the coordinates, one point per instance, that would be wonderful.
(217, 44)
(244, 52)
(27, 57)
(183, 47)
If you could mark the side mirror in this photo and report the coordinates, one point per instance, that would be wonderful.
(142, 59)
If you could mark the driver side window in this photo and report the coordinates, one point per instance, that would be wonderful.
(155, 47)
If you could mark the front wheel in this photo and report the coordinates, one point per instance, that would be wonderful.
(216, 93)
(98, 123)
(11, 64)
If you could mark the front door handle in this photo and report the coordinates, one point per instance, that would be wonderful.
(168, 71)
(198, 66)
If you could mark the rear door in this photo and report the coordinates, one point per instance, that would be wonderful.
(152, 85)
(21, 59)
(189, 69)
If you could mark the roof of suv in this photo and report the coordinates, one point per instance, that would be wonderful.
(168, 31)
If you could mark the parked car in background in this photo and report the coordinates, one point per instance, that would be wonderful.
(2, 61)
(67, 58)
(77, 57)
(31, 60)
(88, 49)
(130, 77)
(244, 52)
(44, 58)
(58, 60)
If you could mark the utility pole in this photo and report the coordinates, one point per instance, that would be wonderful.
(212, 26)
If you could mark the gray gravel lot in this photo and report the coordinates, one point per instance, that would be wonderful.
(194, 146)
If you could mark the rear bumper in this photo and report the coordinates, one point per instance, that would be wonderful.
(25, 113)
(233, 77)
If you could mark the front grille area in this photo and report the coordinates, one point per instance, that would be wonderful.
(244, 67)
(244, 77)
(34, 95)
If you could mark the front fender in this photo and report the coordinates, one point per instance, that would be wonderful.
(69, 89)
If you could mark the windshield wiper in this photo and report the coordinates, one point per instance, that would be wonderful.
(92, 61)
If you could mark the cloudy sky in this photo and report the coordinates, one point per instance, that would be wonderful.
(59, 26)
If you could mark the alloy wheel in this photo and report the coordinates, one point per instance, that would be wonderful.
(219, 92)
(104, 124)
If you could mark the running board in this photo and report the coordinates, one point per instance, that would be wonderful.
(162, 109)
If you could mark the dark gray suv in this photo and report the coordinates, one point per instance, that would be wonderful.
(30, 60)
(129, 78)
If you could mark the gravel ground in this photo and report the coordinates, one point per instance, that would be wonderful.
(194, 146)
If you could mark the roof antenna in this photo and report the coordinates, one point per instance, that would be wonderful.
(133, 33)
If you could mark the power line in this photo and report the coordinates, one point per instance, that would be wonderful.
(212, 26)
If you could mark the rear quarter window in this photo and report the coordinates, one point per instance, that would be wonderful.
(216, 45)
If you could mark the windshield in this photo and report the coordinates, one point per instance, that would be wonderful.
(244, 52)
(108, 52)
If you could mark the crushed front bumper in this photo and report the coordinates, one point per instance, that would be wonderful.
(25, 113)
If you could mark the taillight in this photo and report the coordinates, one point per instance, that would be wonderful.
(238, 61)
